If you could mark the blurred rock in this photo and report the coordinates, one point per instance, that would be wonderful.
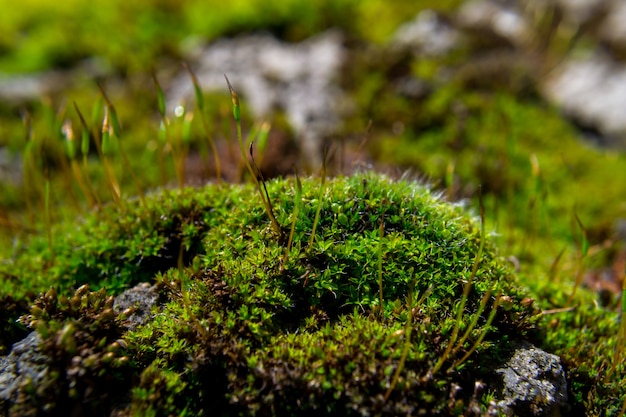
(581, 12)
(427, 34)
(590, 90)
(21, 88)
(613, 29)
(496, 20)
(593, 92)
(26, 87)
(10, 167)
(268, 74)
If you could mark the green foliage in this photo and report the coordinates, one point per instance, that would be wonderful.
(131, 246)
(244, 328)
(244, 331)
(299, 331)
(61, 34)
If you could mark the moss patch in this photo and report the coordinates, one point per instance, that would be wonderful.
(240, 331)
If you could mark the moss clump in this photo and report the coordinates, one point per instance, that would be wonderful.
(84, 365)
(240, 331)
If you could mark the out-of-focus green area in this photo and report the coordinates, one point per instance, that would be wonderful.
(132, 36)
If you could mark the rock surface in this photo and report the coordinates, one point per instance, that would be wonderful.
(534, 384)
(140, 298)
(25, 364)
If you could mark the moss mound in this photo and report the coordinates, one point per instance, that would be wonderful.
(245, 328)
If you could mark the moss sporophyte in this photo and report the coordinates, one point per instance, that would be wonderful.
(244, 329)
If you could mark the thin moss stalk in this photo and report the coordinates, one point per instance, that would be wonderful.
(296, 211)
(620, 344)
(117, 132)
(450, 181)
(532, 218)
(178, 161)
(72, 155)
(466, 290)
(472, 325)
(381, 232)
(407, 335)
(320, 200)
(108, 172)
(203, 120)
(554, 268)
(264, 197)
(48, 217)
(106, 149)
(30, 168)
(84, 148)
(584, 250)
(483, 333)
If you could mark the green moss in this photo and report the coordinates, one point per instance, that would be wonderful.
(236, 323)
(243, 332)
(536, 177)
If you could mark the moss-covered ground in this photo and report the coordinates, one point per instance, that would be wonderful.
(246, 328)
(240, 326)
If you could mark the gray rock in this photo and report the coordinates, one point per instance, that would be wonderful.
(581, 11)
(25, 364)
(593, 91)
(589, 89)
(426, 35)
(613, 29)
(20, 88)
(141, 298)
(534, 384)
(268, 74)
(501, 19)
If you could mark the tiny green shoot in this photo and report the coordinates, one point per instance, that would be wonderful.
(320, 199)
(205, 124)
(255, 175)
(296, 210)
(466, 290)
(584, 250)
(381, 231)
(165, 123)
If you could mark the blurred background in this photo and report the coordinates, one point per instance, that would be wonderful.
(524, 100)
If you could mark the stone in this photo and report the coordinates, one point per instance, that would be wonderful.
(141, 298)
(426, 35)
(592, 91)
(533, 384)
(268, 74)
(25, 364)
